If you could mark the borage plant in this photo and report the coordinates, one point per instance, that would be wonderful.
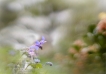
(29, 60)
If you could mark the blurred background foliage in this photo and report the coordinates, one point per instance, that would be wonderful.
(73, 45)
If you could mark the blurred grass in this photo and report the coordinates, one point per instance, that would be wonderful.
(7, 59)
(7, 62)
(48, 70)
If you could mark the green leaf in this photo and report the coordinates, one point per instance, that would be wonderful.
(37, 65)
(77, 47)
(91, 28)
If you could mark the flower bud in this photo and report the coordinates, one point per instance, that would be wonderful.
(36, 60)
(49, 63)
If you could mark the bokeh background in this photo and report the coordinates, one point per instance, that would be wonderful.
(63, 23)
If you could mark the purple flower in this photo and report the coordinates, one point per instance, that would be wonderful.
(38, 44)
(33, 47)
(31, 52)
(42, 41)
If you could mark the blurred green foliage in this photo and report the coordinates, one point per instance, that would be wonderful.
(91, 57)
(8, 58)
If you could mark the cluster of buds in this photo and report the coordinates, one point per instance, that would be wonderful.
(30, 57)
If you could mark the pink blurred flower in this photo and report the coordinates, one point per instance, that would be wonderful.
(101, 27)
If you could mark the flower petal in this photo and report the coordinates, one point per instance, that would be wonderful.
(32, 47)
(36, 47)
(32, 53)
(42, 42)
(43, 38)
(37, 42)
